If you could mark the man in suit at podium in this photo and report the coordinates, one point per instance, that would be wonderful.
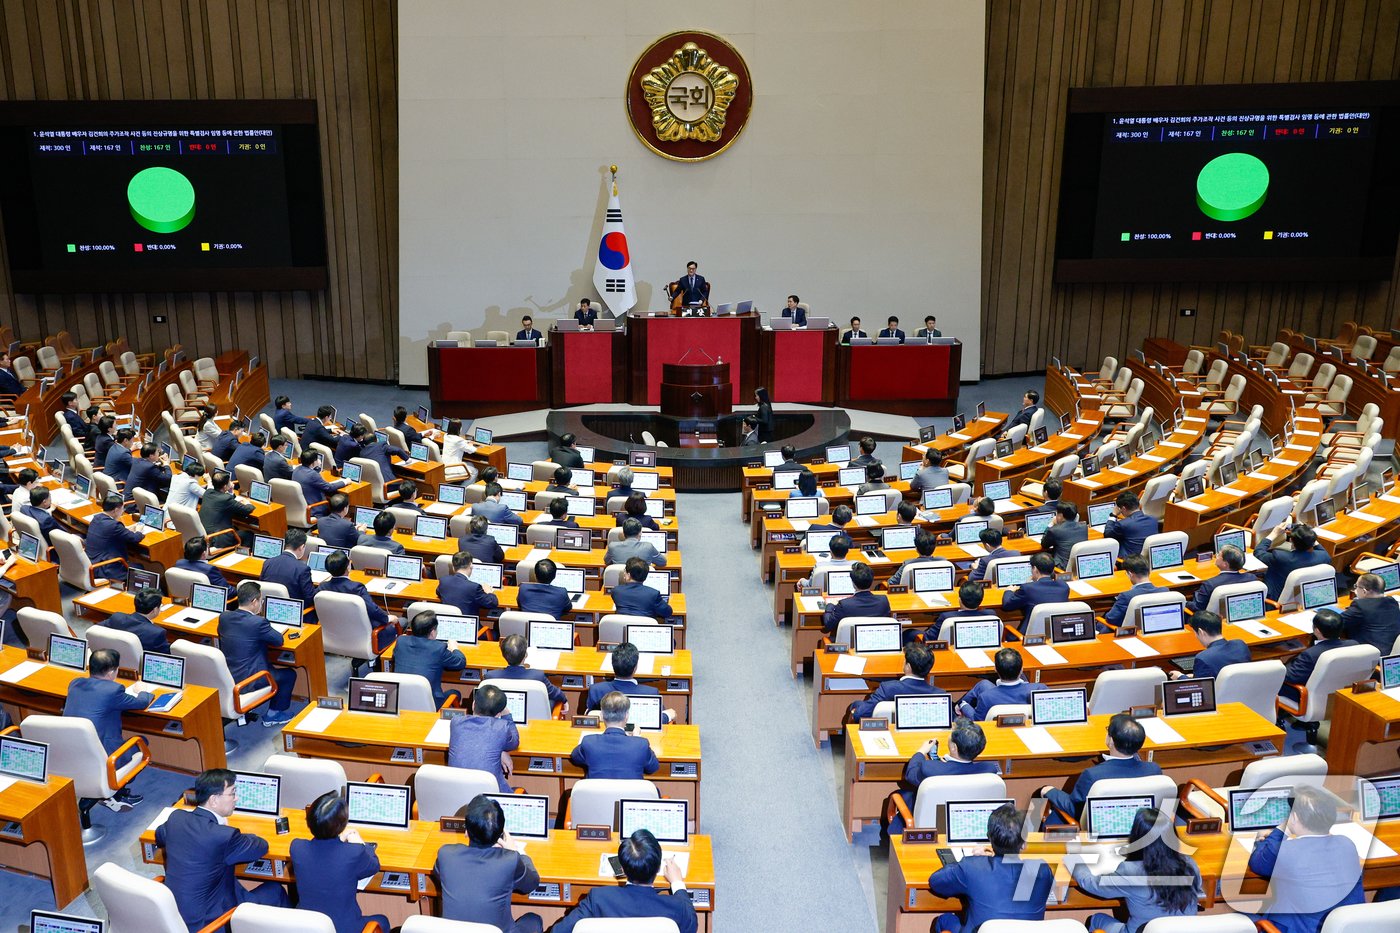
(527, 330)
(854, 332)
(930, 328)
(892, 329)
(692, 287)
(795, 311)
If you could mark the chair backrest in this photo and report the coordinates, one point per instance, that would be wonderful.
(396, 437)
(1062, 925)
(186, 521)
(544, 499)
(843, 628)
(933, 792)
(181, 582)
(1119, 691)
(1336, 669)
(174, 396)
(365, 557)
(1292, 593)
(125, 644)
(368, 421)
(305, 779)
(631, 925)
(1364, 348)
(74, 568)
(421, 923)
(1099, 546)
(370, 473)
(1285, 769)
(1357, 918)
(594, 800)
(1221, 593)
(1235, 388)
(205, 665)
(247, 475)
(1278, 353)
(188, 383)
(415, 693)
(515, 622)
(541, 535)
(1392, 361)
(1255, 684)
(130, 364)
(1122, 379)
(1204, 923)
(26, 524)
(443, 791)
(74, 751)
(109, 375)
(1323, 377)
(1109, 367)
(1009, 709)
(1270, 514)
(260, 918)
(1216, 373)
(206, 370)
(24, 369)
(612, 628)
(287, 493)
(135, 903)
(48, 358)
(345, 625)
(1301, 366)
(537, 704)
(1155, 494)
(1167, 537)
(1038, 622)
(1195, 359)
(1160, 786)
(1063, 467)
(612, 575)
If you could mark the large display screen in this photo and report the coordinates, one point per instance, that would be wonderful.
(162, 195)
(1240, 182)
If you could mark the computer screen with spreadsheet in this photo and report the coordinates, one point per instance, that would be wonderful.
(527, 815)
(481, 435)
(260, 492)
(965, 821)
(403, 567)
(870, 504)
(1253, 809)
(520, 472)
(350, 472)
(977, 633)
(803, 507)
(364, 515)
(1390, 671)
(644, 713)
(1038, 522)
(650, 639)
(1100, 514)
(839, 583)
(898, 538)
(876, 637)
(909, 469)
(917, 711)
(787, 479)
(1380, 797)
(513, 500)
(1112, 817)
(208, 597)
(418, 451)
(378, 804)
(431, 527)
(1162, 556)
(1244, 607)
(43, 921)
(819, 542)
(647, 482)
(68, 652)
(517, 707)
(850, 476)
(504, 535)
(461, 629)
(656, 539)
(838, 454)
(266, 547)
(1013, 572)
(1093, 566)
(258, 793)
(1389, 574)
(968, 531)
(452, 494)
(570, 578)
(1163, 617)
(282, 610)
(29, 547)
(659, 580)
(1052, 707)
(772, 458)
(579, 506)
(163, 670)
(935, 579)
(21, 758)
(667, 820)
(996, 491)
(939, 497)
(550, 636)
(1319, 594)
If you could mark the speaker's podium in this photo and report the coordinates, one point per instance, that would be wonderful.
(696, 390)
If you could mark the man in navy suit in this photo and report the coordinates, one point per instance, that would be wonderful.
(1067, 531)
(491, 507)
(613, 753)
(40, 499)
(860, 603)
(514, 649)
(338, 566)
(635, 598)
(249, 454)
(141, 622)
(151, 473)
(383, 534)
(542, 595)
(459, 590)
(918, 661)
(284, 417)
(319, 429)
(527, 330)
(202, 850)
(1125, 738)
(1139, 574)
(244, 637)
(892, 329)
(335, 527)
(118, 462)
(970, 595)
(1229, 561)
(1217, 652)
(75, 421)
(480, 741)
(480, 545)
(99, 698)
(1283, 561)
(313, 485)
(219, 508)
(106, 437)
(855, 331)
(1041, 588)
(567, 456)
(1373, 618)
(289, 569)
(382, 454)
(1310, 871)
(559, 514)
(1130, 525)
(692, 287)
(477, 880)
(108, 539)
(624, 663)
(409, 432)
(795, 311)
(991, 540)
(349, 445)
(275, 465)
(9, 383)
(196, 560)
(640, 855)
(585, 314)
(1000, 886)
(1010, 688)
(228, 441)
(1327, 634)
(421, 653)
(1028, 408)
(965, 743)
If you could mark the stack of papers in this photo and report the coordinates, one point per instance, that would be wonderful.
(1298, 621)
(1257, 629)
(318, 720)
(974, 657)
(1038, 740)
(100, 595)
(542, 659)
(973, 550)
(1136, 647)
(1082, 588)
(230, 560)
(1046, 655)
(878, 743)
(999, 464)
(850, 664)
(1159, 732)
(20, 671)
(439, 734)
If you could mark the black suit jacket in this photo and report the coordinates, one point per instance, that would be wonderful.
(1372, 620)
(567, 457)
(847, 335)
(694, 289)
(1302, 666)
(799, 316)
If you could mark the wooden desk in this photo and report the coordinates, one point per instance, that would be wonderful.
(40, 835)
(188, 738)
(1212, 747)
(1035, 462)
(1364, 737)
(427, 474)
(913, 378)
(394, 746)
(159, 547)
(1133, 476)
(35, 585)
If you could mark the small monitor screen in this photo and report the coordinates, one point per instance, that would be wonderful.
(644, 712)
(481, 435)
(870, 504)
(258, 793)
(520, 472)
(898, 538)
(1188, 695)
(939, 497)
(163, 670)
(153, 517)
(656, 508)
(965, 821)
(364, 515)
(667, 820)
(1244, 607)
(803, 507)
(1162, 618)
(418, 451)
(452, 494)
(772, 458)
(909, 469)
(1390, 671)
(1318, 594)
(266, 546)
(1389, 574)
(819, 542)
(430, 526)
(1013, 572)
(1255, 809)
(68, 652)
(588, 454)
(579, 506)
(1162, 556)
(916, 711)
(316, 560)
(1052, 707)
(573, 539)
(373, 696)
(959, 422)
(1380, 798)
(1193, 486)
(932, 579)
(1093, 566)
(1001, 489)
(208, 597)
(378, 804)
(651, 639)
(841, 454)
(659, 580)
(839, 583)
(422, 414)
(550, 636)
(647, 482)
(260, 492)
(976, 633)
(1099, 514)
(968, 531)
(527, 815)
(641, 458)
(850, 476)
(1112, 817)
(517, 706)
(513, 500)
(571, 579)
(350, 472)
(187, 461)
(403, 567)
(83, 485)
(504, 535)
(381, 437)
(280, 610)
(787, 479)
(656, 539)
(24, 759)
(142, 580)
(461, 629)
(876, 637)
(1072, 626)
(43, 921)
(1037, 523)
(488, 575)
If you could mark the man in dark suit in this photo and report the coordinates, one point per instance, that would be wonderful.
(932, 474)
(202, 851)
(795, 311)
(382, 535)
(633, 597)
(314, 486)
(477, 880)
(867, 452)
(106, 436)
(1327, 634)
(613, 753)
(1053, 488)
(382, 454)
(693, 288)
(542, 595)
(860, 603)
(10, 384)
(140, 623)
(249, 454)
(918, 661)
(853, 332)
(930, 328)
(409, 432)
(480, 740)
(338, 566)
(421, 653)
(118, 462)
(527, 330)
(40, 501)
(108, 539)
(632, 545)
(562, 482)
(990, 539)
(348, 445)
(151, 473)
(1229, 561)
(196, 560)
(624, 663)
(1124, 739)
(514, 649)
(244, 637)
(965, 743)
(789, 463)
(892, 329)
(1310, 870)
(101, 700)
(1130, 525)
(1041, 588)
(1067, 531)
(1373, 618)
(335, 527)
(641, 858)
(1217, 651)
(1001, 886)
(480, 545)
(220, 508)
(275, 465)
(1140, 576)
(1010, 688)
(228, 441)
(284, 417)
(1029, 403)
(585, 314)
(74, 419)
(290, 569)
(566, 454)
(321, 430)
(469, 597)
(492, 508)
(1283, 561)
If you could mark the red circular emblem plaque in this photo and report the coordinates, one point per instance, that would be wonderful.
(689, 96)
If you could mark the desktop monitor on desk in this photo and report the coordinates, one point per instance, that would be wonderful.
(1112, 817)
(838, 453)
(382, 805)
(46, 921)
(876, 638)
(283, 610)
(917, 711)
(1038, 522)
(667, 820)
(772, 458)
(998, 490)
(487, 575)
(969, 531)
(549, 636)
(24, 759)
(803, 507)
(939, 497)
(839, 583)
(527, 815)
(504, 535)
(819, 541)
(785, 479)
(1162, 556)
(452, 494)
(651, 639)
(965, 821)
(871, 504)
(1099, 514)
(372, 696)
(1187, 695)
(403, 567)
(137, 579)
(1255, 809)
(458, 628)
(350, 472)
(1244, 607)
(1066, 627)
(1057, 707)
(644, 713)
(850, 476)
(1161, 618)
(977, 633)
(517, 706)
(163, 670)
(266, 547)
(68, 652)
(257, 793)
(1234, 538)
(1093, 566)
(937, 578)
(208, 597)
(1011, 573)
(432, 527)
(898, 538)
(1379, 797)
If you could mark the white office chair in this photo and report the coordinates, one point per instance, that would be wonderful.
(843, 628)
(206, 666)
(74, 567)
(365, 557)
(1312, 493)
(1392, 361)
(1277, 355)
(1229, 402)
(1038, 622)
(1156, 493)
(612, 575)
(1202, 801)
(1162, 788)
(1292, 592)
(1094, 546)
(305, 779)
(181, 582)
(126, 645)
(259, 918)
(633, 925)
(38, 624)
(1355, 918)
(1335, 669)
(345, 626)
(612, 628)
(1121, 690)
(1300, 367)
(542, 471)
(966, 471)
(537, 705)
(1009, 709)
(1221, 593)
(1270, 514)
(381, 488)
(1062, 469)
(1335, 401)
(135, 903)
(442, 791)
(288, 494)
(1207, 923)
(1127, 406)
(593, 801)
(415, 693)
(934, 792)
(1195, 361)
(541, 536)
(421, 923)
(76, 753)
(515, 622)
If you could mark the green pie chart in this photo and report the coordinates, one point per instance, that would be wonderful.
(1232, 186)
(161, 199)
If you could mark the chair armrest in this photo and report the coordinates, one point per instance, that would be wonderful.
(138, 741)
(373, 926)
(10, 730)
(375, 778)
(558, 710)
(896, 802)
(569, 814)
(1049, 807)
(1363, 556)
(222, 922)
(238, 689)
(451, 701)
(1285, 704)
(92, 574)
(222, 532)
(1264, 926)
(1197, 784)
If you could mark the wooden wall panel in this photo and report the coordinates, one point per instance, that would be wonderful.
(342, 53)
(1036, 52)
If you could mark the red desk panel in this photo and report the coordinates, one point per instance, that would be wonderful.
(589, 366)
(802, 365)
(914, 379)
(478, 381)
(659, 340)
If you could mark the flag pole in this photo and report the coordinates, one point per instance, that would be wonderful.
(613, 169)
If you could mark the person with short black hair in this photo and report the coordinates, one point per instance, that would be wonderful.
(806, 487)
(476, 880)
(290, 569)
(634, 598)
(108, 541)
(527, 330)
(566, 454)
(892, 329)
(482, 740)
(220, 508)
(631, 545)
(1217, 652)
(196, 560)
(335, 527)
(70, 413)
(514, 650)
(585, 314)
(1124, 738)
(410, 434)
(789, 463)
(380, 619)
(1139, 573)
(321, 430)
(1328, 632)
(420, 652)
(542, 594)
(28, 481)
(202, 851)
(860, 603)
(383, 534)
(990, 539)
(99, 699)
(1067, 531)
(275, 465)
(1040, 589)
(249, 453)
(996, 882)
(1130, 525)
(874, 480)
(930, 328)
(1310, 871)
(315, 488)
(793, 309)
(624, 664)
(924, 545)
(918, 662)
(408, 497)
(1029, 402)
(965, 743)
(613, 753)
(479, 544)
(559, 514)
(1052, 488)
(244, 637)
(348, 445)
(1303, 551)
(867, 452)
(329, 865)
(284, 417)
(932, 474)
(854, 333)
(117, 465)
(141, 623)
(228, 440)
(970, 594)
(493, 509)
(1373, 618)
(151, 473)
(458, 589)
(839, 518)
(905, 512)
(1229, 564)
(37, 508)
(1009, 688)
(641, 858)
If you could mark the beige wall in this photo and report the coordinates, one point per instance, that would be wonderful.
(857, 183)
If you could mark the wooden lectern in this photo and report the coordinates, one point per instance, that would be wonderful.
(696, 390)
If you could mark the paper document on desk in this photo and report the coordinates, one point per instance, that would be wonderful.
(100, 595)
(1260, 475)
(1038, 740)
(1176, 444)
(1329, 534)
(384, 585)
(1082, 588)
(1253, 564)
(1390, 498)
(186, 617)
(960, 437)
(1136, 647)
(1367, 845)
(1074, 437)
(973, 550)
(645, 663)
(849, 664)
(1257, 629)
(1193, 506)
(1125, 470)
(990, 419)
(1159, 732)
(5, 783)
(318, 720)
(542, 517)
(441, 508)
(20, 671)
(542, 659)
(1046, 655)
(1298, 621)
(974, 657)
(1368, 517)
(1152, 458)
(1042, 450)
(440, 733)
(878, 743)
(1287, 463)
(1393, 693)
(866, 521)
(229, 561)
(933, 599)
(799, 524)
(1231, 491)
(999, 464)
(510, 483)
(161, 817)
(1091, 483)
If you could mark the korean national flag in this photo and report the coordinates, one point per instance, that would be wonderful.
(612, 276)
